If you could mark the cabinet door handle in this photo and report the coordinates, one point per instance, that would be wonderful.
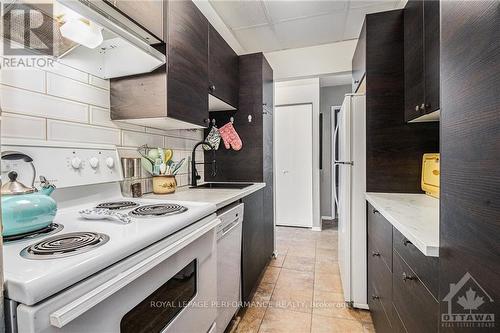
(212, 87)
(375, 211)
(416, 108)
(422, 107)
(407, 277)
(406, 242)
(375, 297)
(356, 81)
(375, 254)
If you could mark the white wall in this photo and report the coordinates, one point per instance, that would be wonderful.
(300, 92)
(312, 61)
(64, 104)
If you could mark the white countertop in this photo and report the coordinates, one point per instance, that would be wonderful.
(416, 216)
(219, 197)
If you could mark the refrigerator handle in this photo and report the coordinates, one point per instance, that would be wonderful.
(334, 165)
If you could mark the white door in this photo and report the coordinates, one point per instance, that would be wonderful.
(293, 152)
(344, 197)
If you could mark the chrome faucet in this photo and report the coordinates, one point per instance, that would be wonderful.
(194, 173)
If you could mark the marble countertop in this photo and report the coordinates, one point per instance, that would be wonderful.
(219, 197)
(416, 216)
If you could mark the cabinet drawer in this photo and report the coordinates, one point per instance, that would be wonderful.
(418, 309)
(377, 311)
(425, 267)
(380, 233)
(396, 323)
(380, 276)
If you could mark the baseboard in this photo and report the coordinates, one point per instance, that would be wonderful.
(316, 229)
(361, 306)
(327, 218)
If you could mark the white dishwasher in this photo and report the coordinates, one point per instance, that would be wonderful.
(228, 264)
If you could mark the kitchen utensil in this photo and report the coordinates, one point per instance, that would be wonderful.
(147, 165)
(177, 166)
(105, 214)
(168, 155)
(163, 168)
(430, 175)
(164, 184)
(156, 167)
(24, 209)
(153, 154)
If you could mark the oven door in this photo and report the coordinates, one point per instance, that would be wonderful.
(175, 295)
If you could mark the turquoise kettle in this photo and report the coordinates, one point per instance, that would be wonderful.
(25, 209)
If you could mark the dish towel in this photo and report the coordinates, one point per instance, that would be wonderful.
(230, 137)
(213, 138)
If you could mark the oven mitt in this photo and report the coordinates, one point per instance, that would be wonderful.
(230, 137)
(213, 138)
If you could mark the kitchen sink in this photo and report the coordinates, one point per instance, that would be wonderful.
(238, 186)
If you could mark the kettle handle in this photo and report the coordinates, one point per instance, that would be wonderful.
(15, 155)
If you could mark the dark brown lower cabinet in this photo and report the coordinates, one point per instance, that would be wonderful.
(256, 248)
(400, 292)
(418, 309)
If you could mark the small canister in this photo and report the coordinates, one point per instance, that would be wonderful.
(164, 184)
(132, 167)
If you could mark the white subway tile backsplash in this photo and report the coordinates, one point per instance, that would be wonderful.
(35, 104)
(175, 143)
(17, 126)
(136, 139)
(66, 131)
(68, 72)
(98, 82)
(100, 116)
(66, 88)
(31, 79)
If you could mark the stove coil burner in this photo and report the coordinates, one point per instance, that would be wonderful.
(49, 230)
(64, 245)
(118, 205)
(158, 210)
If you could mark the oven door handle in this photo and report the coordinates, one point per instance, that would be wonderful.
(76, 308)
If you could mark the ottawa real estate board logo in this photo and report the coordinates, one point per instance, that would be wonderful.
(469, 305)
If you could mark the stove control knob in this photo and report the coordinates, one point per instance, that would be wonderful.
(94, 162)
(76, 163)
(110, 162)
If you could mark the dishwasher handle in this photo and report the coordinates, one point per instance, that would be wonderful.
(228, 228)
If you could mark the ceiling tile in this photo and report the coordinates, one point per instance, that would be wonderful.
(311, 31)
(258, 39)
(238, 14)
(285, 10)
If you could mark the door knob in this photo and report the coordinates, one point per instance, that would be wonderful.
(375, 254)
(407, 277)
(375, 297)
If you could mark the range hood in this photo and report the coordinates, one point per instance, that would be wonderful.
(97, 38)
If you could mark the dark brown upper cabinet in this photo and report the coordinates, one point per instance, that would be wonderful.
(176, 95)
(359, 60)
(148, 13)
(223, 71)
(421, 60)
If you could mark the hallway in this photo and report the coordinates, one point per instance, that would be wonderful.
(301, 291)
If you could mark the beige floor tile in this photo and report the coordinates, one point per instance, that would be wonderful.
(278, 261)
(271, 274)
(330, 304)
(251, 320)
(299, 300)
(368, 328)
(285, 321)
(329, 244)
(263, 293)
(327, 266)
(302, 251)
(364, 316)
(326, 253)
(327, 282)
(322, 324)
(299, 263)
(292, 279)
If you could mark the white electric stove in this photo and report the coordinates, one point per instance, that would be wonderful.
(153, 273)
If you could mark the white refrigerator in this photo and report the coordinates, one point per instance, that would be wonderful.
(350, 166)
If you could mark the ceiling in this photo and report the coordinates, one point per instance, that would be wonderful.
(271, 25)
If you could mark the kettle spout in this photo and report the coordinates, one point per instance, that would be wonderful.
(47, 188)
